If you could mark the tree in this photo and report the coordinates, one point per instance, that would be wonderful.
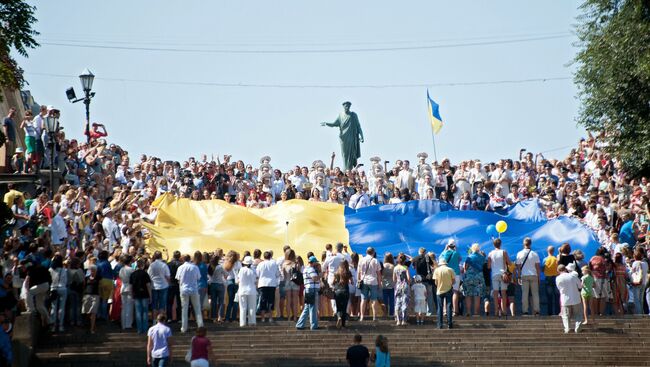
(16, 19)
(613, 77)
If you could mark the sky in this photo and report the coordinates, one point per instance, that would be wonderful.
(251, 78)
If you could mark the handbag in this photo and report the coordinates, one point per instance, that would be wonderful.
(188, 355)
(506, 277)
(637, 277)
(310, 297)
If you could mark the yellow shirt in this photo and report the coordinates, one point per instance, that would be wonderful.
(550, 266)
(444, 277)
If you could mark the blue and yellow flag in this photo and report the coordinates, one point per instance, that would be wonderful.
(434, 114)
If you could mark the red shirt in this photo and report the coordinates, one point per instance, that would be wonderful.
(599, 267)
(200, 347)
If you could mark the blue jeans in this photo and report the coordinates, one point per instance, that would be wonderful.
(57, 314)
(310, 311)
(552, 297)
(637, 296)
(389, 300)
(217, 295)
(233, 306)
(141, 314)
(74, 308)
(441, 298)
(160, 362)
(159, 299)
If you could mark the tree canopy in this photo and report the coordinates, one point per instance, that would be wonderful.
(16, 33)
(613, 77)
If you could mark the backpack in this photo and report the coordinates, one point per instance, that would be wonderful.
(296, 276)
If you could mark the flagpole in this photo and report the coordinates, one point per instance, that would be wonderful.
(433, 137)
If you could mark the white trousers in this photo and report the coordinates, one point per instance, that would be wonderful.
(247, 305)
(127, 310)
(196, 306)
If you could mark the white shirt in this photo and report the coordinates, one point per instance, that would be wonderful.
(58, 230)
(529, 268)
(569, 286)
(368, 270)
(246, 279)
(498, 264)
(268, 274)
(112, 231)
(298, 181)
(159, 273)
(331, 264)
(641, 266)
(188, 276)
(358, 201)
(232, 274)
(125, 276)
(419, 291)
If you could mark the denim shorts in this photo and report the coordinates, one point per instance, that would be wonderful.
(159, 299)
(370, 292)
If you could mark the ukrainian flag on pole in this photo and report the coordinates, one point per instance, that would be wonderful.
(434, 114)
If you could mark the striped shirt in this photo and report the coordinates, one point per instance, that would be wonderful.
(308, 274)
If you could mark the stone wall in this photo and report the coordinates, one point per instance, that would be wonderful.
(12, 98)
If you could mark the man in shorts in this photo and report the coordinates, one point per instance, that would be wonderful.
(498, 263)
(369, 278)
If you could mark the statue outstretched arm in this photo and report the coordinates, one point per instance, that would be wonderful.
(336, 123)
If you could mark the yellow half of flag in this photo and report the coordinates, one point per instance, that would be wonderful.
(188, 225)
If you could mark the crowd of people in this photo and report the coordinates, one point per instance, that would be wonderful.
(78, 255)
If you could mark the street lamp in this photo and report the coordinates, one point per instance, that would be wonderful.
(52, 128)
(87, 78)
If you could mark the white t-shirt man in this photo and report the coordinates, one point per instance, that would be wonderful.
(498, 265)
(529, 268)
(331, 264)
(369, 268)
(569, 286)
(188, 276)
(159, 273)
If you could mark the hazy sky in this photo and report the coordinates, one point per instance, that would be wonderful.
(182, 101)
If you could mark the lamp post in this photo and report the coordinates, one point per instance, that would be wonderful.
(87, 78)
(52, 128)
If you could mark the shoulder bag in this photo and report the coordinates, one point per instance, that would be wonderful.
(188, 355)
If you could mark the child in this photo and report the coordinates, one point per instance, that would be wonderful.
(420, 296)
(587, 291)
(381, 354)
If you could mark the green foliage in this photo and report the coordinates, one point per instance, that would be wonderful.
(16, 19)
(613, 77)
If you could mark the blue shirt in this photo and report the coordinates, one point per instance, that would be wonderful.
(453, 260)
(104, 269)
(203, 281)
(627, 234)
(159, 334)
(11, 131)
(5, 346)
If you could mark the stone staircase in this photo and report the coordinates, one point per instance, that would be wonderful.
(520, 341)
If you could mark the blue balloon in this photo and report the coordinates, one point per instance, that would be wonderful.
(491, 231)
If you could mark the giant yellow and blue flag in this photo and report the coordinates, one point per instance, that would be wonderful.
(434, 114)
(188, 226)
